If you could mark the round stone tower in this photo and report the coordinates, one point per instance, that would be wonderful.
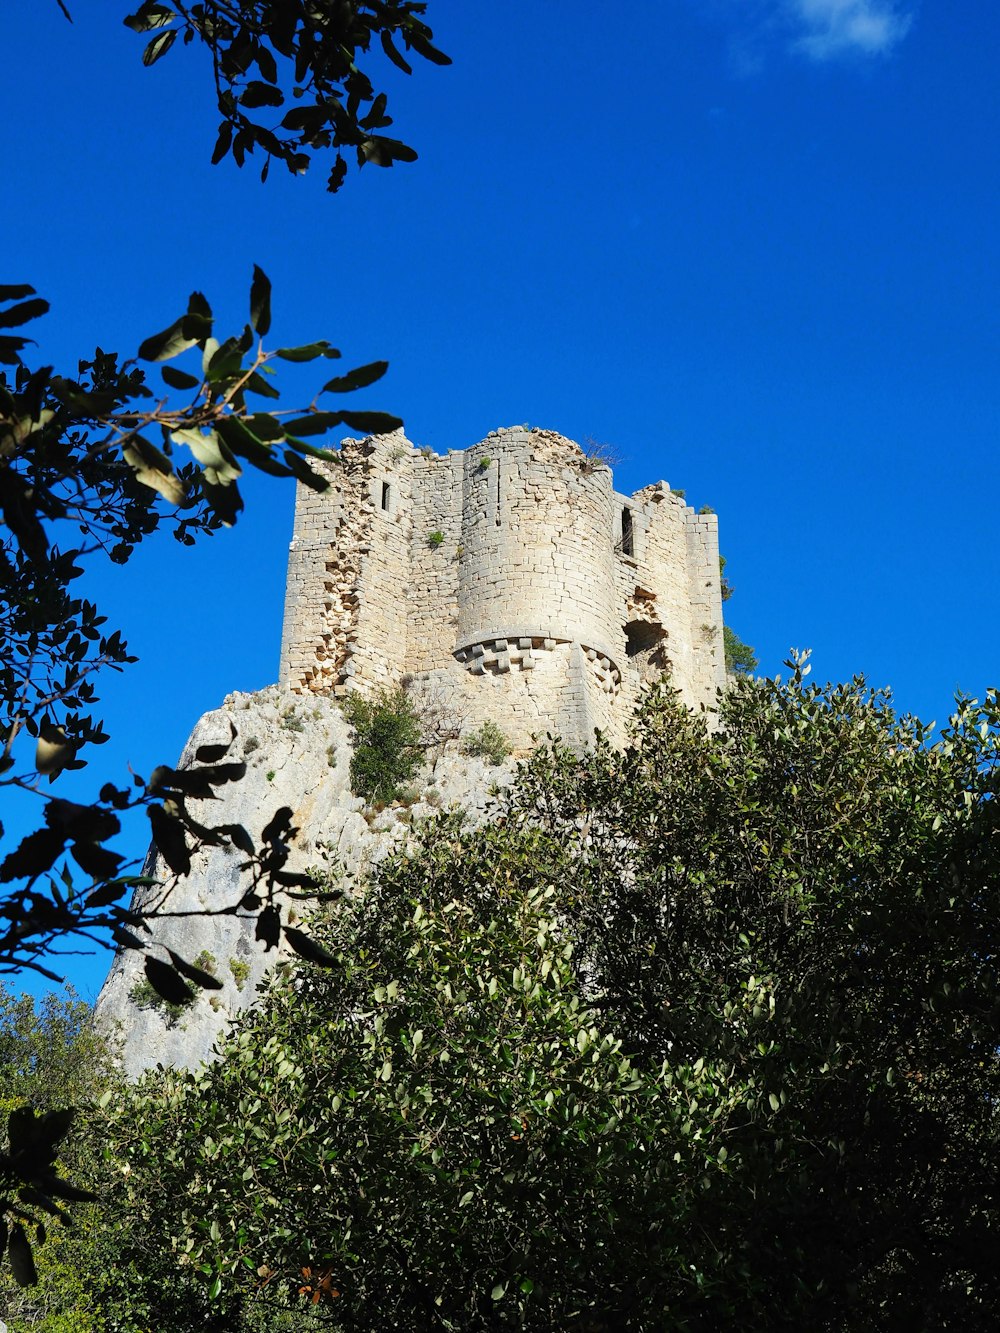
(508, 582)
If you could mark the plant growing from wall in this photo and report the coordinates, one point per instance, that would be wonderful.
(240, 970)
(388, 747)
(487, 742)
(435, 538)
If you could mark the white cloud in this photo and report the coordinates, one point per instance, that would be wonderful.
(830, 28)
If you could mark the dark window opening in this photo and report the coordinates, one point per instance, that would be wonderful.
(385, 495)
(628, 543)
(498, 492)
(646, 645)
(642, 636)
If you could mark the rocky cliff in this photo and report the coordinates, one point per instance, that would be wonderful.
(297, 751)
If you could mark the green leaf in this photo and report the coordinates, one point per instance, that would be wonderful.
(171, 342)
(313, 450)
(148, 16)
(317, 423)
(264, 427)
(420, 44)
(96, 861)
(222, 143)
(211, 451)
(159, 46)
(260, 301)
(383, 152)
(225, 362)
(389, 47)
(244, 443)
(166, 982)
(20, 314)
(307, 352)
(168, 835)
(372, 423)
(15, 291)
(152, 468)
(357, 379)
(179, 379)
(308, 948)
(259, 385)
(198, 306)
(196, 974)
(304, 472)
(225, 501)
(35, 854)
(257, 94)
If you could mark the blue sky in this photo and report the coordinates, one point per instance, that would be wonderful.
(754, 245)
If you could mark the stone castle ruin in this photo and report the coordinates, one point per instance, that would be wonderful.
(509, 578)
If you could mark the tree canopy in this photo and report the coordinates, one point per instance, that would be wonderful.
(698, 1033)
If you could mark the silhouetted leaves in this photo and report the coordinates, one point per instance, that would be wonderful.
(296, 47)
(268, 928)
(21, 1261)
(260, 302)
(35, 854)
(168, 835)
(196, 974)
(167, 982)
(308, 948)
(158, 47)
(357, 379)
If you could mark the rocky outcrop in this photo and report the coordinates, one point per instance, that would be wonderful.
(297, 751)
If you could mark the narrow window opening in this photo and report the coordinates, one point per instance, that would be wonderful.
(498, 492)
(385, 495)
(628, 541)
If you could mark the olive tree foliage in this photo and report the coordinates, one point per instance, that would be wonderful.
(88, 469)
(50, 1057)
(438, 1133)
(288, 79)
(699, 1033)
(95, 459)
(94, 462)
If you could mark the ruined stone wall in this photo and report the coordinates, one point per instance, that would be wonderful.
(509, 581)
(434, 564)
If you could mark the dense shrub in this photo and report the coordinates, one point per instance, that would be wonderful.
(487, 742)
(388, 747)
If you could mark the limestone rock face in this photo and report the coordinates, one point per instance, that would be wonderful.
(298, 752)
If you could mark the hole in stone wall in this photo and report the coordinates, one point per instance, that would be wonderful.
(498, 492)
(628, 542)
(646, 644)
(641, 636)
(385, 495)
